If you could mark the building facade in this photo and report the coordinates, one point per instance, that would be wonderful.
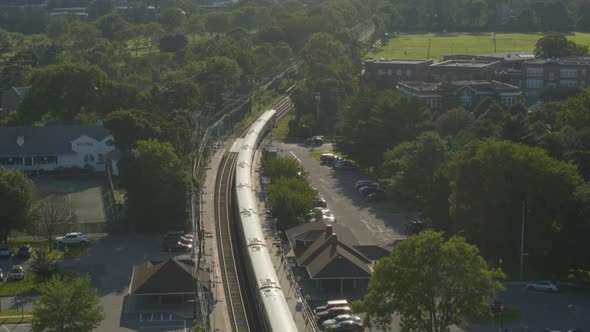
(543, 74)
(465, 93)
(51, 147)
(387, 72)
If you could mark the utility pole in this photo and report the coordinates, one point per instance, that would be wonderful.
(494, 40)
(317, 102)
(522, 241)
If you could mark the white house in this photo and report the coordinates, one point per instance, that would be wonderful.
(51, 147)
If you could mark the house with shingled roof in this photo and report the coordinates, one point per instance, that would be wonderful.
(47, 148)
(333, 257)
(166, 284)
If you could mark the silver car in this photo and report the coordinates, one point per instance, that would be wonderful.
(545, 286)
(339, 319)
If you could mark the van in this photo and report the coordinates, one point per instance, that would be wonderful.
(332, 304)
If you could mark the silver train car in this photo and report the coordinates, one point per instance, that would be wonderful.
(270, 299)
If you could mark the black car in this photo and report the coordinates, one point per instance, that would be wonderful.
(25, 251)
(414, 227)
(376, 196)
(366, 191)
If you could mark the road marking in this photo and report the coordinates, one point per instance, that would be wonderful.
(5, 328)
(299, 160)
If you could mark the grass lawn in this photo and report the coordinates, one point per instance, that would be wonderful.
(416, 46)
(281, 131)
(71, 253)
(26, 286)
(16, 320)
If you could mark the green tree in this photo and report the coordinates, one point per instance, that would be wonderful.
(431, 283)
(218, 22)
(491, 181)
(130, 126)
(194, 25)
(172, 19)
(156, 183)
(290, 198)
(453, 121)
(558, 46)
(99, 8)
(66, 304)
(276, 167)
(113, 27)
(411, 168)
(16, 195)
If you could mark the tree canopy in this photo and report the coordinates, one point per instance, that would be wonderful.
(66, 304)
(16, 197)
(432, 283)
(557, 46)
(157, 185)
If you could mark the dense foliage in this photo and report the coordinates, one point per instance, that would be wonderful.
(16, 195)
(432, 283)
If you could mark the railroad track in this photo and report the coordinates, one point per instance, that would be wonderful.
(225, 244)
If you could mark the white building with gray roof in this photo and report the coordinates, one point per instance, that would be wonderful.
(61, 146)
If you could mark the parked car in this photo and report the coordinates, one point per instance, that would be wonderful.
(544, 286)
(340, 318)
(5, 251)
(176, 245)
(16, 273)
(76, 238)
(332, 304)
(373, 185)
(376, 196)
(362, 183)
(345, 165)
(346, 326)
(320, 202)
(414, 227)
(366, 191)
(323, 316)
(176, 237)
(327, 157)
(25, 251)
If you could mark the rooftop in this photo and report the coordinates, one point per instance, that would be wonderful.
(476, 85)
(399, 61)
(506, 56)
(466, 63)
(165, 277)
(563, 61)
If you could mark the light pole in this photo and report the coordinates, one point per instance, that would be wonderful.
(317, 98)
(522, 254)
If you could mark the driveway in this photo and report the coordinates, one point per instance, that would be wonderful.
(109, 262)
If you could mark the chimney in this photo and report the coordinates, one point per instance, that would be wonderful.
(334, 240)
(328, 231)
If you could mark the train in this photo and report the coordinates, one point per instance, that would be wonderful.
(270, 300)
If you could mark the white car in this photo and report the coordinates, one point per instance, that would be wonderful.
(339, 319)
(72, 239)
(545, 286)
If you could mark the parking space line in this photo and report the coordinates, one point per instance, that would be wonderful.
(5, 328)
(299, 160)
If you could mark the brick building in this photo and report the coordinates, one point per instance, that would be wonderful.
(465, 93)
(542, 74)
(385, 73)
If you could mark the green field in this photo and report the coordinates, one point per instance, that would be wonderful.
(416, 46)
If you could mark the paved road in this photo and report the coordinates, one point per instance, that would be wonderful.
(370, 222)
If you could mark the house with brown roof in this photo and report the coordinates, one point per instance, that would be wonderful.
(168, 284)
(333, 257)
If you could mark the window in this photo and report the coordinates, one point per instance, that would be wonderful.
(399, 72)
(551, 76)
(100, 158)
(534, 84)
(389, 72)
(465, 100)
(408, 72)
(88, 158)
(45, 160)
(534, 71)
(507, 101)
(379, 71)
(568, 83)
(568, 72)
(84, 144)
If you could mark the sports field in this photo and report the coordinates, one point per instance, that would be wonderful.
(416, 46)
